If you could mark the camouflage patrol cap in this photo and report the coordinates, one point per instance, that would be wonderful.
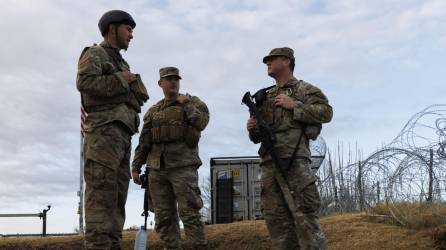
(284, 51)
(169, 71)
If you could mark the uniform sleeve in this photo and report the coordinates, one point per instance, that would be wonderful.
(145, 144)
(314, 108)
(96, 76)
(197, 113)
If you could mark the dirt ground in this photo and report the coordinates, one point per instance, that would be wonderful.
(345, 231)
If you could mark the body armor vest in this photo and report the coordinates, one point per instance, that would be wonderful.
(169, 125)
(281, 119)
(276, 116)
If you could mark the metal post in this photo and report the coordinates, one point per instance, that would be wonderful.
(44, 224)
(333, 180)
(43, 216)
(378, 191)
(431, 179)
(81, 188)
(360, 187)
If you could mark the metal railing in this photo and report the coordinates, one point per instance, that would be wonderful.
(41, 215)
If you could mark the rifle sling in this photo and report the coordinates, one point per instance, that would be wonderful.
(293, 156)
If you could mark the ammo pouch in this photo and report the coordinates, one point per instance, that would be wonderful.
(168, 125)
(312, 131)
(192, 136)
(133, 103)
(138, 94)
(139, 90)
(167, 133)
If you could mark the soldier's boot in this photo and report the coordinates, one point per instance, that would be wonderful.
(196, 244)
(116, 247)
(167, 226)
(95, 240)
(172, 245)
(193, 229)
(197, 241)
(317, 242)
(320, 241)
(201, 246)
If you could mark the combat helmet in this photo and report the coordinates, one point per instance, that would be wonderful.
(115, 16)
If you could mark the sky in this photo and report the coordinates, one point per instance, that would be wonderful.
(378, 62)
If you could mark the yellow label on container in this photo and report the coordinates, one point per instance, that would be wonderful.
(235, 173)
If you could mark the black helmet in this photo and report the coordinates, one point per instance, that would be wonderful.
(115, 16)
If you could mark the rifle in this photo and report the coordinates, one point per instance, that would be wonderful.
(147, 198)
(268, 139)
(141, 235)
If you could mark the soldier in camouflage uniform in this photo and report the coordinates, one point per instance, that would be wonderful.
(112, 96)
(291, 107)
(168, 144)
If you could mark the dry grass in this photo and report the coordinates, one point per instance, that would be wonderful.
(414, 215)
(439, 237)
(355, 231)
(345, 231)
(69, 242)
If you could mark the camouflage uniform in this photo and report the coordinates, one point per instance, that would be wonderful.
(168, 144)
(310, 110)
(112, 105)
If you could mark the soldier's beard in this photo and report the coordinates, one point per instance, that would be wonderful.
(121, 40)
(122, 44)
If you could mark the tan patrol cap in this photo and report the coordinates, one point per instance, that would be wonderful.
(169, 71)
(284, 51)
